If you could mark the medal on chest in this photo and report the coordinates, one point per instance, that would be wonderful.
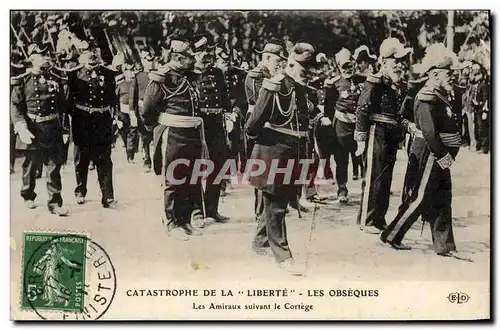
(449, 112)
(101, 81)
(42, 80)
(93, 75)
(344, 94)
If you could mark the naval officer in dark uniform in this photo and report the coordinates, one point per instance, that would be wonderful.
(278, 125)
(214, 104)
(92, 93)
(171, 112)
(378, 132)
(274, 55)
(38, 105)
(433, 152)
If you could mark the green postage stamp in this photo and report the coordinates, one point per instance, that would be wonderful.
(53, 271)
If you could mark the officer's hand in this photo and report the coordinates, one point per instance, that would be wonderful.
(26, 136)
(361, 148)
(325, 121)
(65, 138)
(119, 123)
(412, 128)
(133, 121)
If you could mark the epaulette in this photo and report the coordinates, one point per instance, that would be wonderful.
(58, 76)
(314, 89)
(426, 95)
(331, 81)
(15, 81)
(119, 78)
(78, 67)
(375, 78)
(256, 73)
(156, 76)
(274, 83)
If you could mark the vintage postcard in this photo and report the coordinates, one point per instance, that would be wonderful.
(250, 165)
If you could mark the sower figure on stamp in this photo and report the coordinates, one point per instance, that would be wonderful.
(92, 91)
(433, 151)
(378, 131)
(171, 111)
(340, 107)
(127, 115)
(277, 124)
(214, 103)
(37, 107)
(274, 57)
(138, 88)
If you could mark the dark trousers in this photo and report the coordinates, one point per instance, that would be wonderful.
(237, 148)
(343, 144)
(101, 158)
(380, 155)
(483, 141)
(52, 160)
(146, 139)
(218, 151)
(12, 147)
(430, 197)
(271, 228)
(180, 200)
(130, 136)
(358, 167)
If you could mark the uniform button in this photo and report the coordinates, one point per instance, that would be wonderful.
(52, 95)
(37, 101)
(36, 89)
(39, 108)
(53, 101)
(37, 95)
(51, 108)
(102, 99)
(90, 92)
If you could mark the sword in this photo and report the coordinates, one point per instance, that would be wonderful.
(19, 41)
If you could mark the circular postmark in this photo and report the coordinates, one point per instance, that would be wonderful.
(66, 277)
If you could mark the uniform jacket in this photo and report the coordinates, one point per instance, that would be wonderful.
(92, 88)
(137, 91)
(175, 93)
(281, 103)
(341, 98)
(379, 101)
(253, 83)
(39, 95)
(436, 120)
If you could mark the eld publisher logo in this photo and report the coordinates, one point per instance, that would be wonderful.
(458, 297)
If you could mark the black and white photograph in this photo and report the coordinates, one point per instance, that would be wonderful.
(250, 165)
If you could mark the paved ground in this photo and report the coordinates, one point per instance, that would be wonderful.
(144, 256)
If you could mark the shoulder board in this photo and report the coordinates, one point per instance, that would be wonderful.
(274, 83)
(14, 81)
(156, 76)
(57, 75)
(119, 78)
(374, 78)
(314, 89)
(427, 95)
(78, 67)
(256, 73)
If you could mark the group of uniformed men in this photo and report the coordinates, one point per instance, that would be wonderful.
(184, 108)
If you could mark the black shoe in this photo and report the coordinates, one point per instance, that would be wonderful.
(190, 230)
(147, 168)
(220, 218)
(60, 211)
(30, 204)
(80, 200)
(110, 203)
(395, 246)
(223, 193)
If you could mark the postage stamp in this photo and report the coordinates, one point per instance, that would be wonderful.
(66, 276)
(54, 271)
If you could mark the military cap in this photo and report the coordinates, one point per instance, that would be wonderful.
(437, 56)
(343, 57)
(276, 47)
(363, 49)
(146, 55)
(181, 46)
(204, 42)
(303, 53)
(393, 48)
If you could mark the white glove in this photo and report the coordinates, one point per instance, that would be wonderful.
(361, 148)
(325, 121)
(26, 136)
(484, 116)
(133, 121)
(412, 128)
(119, 123)
(65, 138)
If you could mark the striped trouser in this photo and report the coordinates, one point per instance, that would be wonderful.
(380, 157)
(429, 195)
